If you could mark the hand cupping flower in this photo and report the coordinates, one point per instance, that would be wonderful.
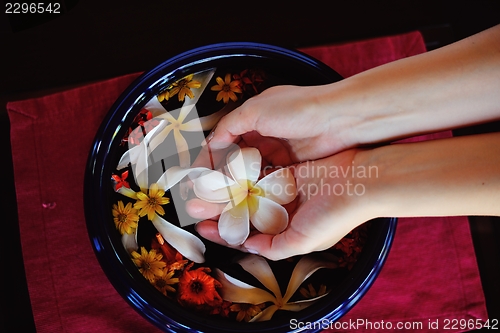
(249, 200)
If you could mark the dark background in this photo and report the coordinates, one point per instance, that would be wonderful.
(95, 40)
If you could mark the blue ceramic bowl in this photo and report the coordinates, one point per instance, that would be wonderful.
(262, 66)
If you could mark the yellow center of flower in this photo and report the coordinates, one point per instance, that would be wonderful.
(226, 88)
(160, 283)
(253, 190)
(122, 218)
(183, 83)
(146, 266)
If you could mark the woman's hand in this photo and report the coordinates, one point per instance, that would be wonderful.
(297, 115)
(328, 206)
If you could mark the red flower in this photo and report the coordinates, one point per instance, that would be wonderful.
(198, 289)
(250, 79)
(175, 261)
(120, 180)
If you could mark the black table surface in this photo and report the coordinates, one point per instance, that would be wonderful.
(94, 40)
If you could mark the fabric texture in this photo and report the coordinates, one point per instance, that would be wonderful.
(431, 272)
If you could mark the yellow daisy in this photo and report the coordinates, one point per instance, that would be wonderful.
(125, 217)
(164, 283)
(151, 202)
(164, 96)
(183, 87)
(227, 88)
(149, 263)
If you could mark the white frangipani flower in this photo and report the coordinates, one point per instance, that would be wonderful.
(249, 199)
(236, 291)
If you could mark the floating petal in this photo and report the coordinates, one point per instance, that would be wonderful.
(234, 290)
(175, 174)
(129, 241)
(183, 241)
(127, 192)
(260, 269)
(306, 266)
(158, 139)
(266, 314)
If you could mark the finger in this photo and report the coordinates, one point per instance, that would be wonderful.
(232, 126)
(209, 230)
(277, 247)
(275, 151)
(200, 209)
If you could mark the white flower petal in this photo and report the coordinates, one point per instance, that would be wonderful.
(183, 241)
(184, 159)
(129, 241)
(266, 314)
(135, 152)
(279, 186)
(194, 125)
(236, 291)
(213, 186)
(141, 162)
(300, 305)
(182, 149)
(260, 269)
(127, 192)
(129, 156)
(270, 217)
(234, 226)
(304, 301)
(185, 110)
(175, 174)
(306, 266)
(155, 107)
(158, 139)
(244, 164)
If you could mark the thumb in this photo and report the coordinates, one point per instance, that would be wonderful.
(230, 128)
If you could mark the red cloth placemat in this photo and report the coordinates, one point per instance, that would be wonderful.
(431, 273)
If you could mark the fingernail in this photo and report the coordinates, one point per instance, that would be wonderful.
(252, 251)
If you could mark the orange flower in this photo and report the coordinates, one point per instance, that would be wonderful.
(121, 180)
(198, 289)
(171, 256)
(227, 88)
